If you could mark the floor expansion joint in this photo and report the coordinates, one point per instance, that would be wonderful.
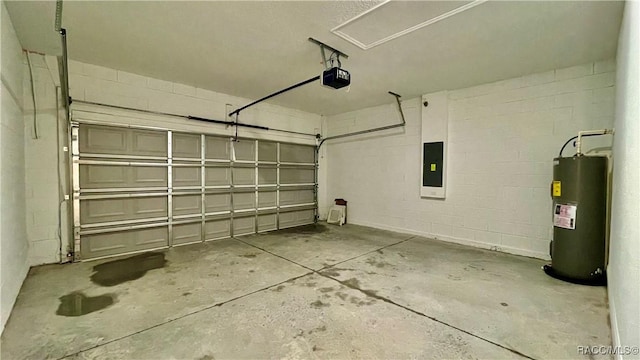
(389, 301)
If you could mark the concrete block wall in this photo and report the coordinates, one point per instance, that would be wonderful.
(624, 254)
(503, 137)
(115, 87)
(13, 237)
(110, 86)
(43, 195)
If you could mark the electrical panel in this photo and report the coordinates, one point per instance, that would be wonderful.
(432, 159)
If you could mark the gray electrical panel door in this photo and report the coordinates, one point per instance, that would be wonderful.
(432, 170)
(137, 189)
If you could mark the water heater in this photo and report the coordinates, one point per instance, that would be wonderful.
(579, 211)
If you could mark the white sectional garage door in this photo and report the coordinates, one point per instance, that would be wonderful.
(138, 189)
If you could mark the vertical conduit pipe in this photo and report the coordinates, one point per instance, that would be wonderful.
(63, 64)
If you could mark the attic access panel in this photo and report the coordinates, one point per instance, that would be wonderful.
(392, 19)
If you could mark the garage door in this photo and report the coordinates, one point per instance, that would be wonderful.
(138, 189)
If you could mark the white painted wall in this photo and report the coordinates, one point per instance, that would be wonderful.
(110, 86)
(13, 238)
(624, 254)
(502, 139)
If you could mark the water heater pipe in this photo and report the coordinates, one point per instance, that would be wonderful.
(589, 133)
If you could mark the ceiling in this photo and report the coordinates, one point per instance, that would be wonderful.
(253, 48)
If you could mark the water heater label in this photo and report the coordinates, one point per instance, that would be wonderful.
(564, 216)
(557, 188)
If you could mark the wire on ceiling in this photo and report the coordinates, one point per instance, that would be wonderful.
(33, 97)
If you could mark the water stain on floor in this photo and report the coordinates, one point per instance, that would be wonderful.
(376, 263)
(319, 304)
(206, 357)
(359, 302)
(119, 271)
(352, 283)
(78, 304)
(355, 284)
(474, 267)
(303, 230)
(331, 272)
(342, 295)
(318, 329)
(334, 272)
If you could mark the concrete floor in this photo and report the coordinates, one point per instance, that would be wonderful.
(323, 292)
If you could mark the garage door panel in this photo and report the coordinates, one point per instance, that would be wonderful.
(186, 176)
(117, 176)
(105, 244)
(148, 143)
(296, 218)
(103, 140)
(242, 201)
(297, 176)
(107, 210)
(102, 176)
(244, 150)
(150, 238)
(217, 202)
(244, 225)
(267, 151)
(187, 233)
(267, 199)
(186, 146)
(267, 175)
(187, 205)
(114, 243)
(150, 206)
(217, 229)
(296, 197)
(244, 176)
(122, 141)
(294, 153)
(267, 222)
(149, 176)
(217, 148)
(250, 186)
(217, 176)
